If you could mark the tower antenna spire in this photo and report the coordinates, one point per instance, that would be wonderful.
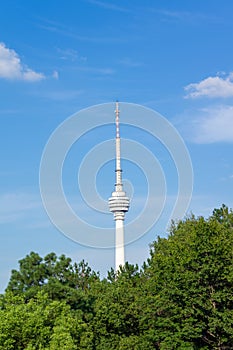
(118, 185)
(118, 202)
(117, 112)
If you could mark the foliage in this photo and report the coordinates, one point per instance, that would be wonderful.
(38, 324)
(182, 298)
(57, 277)
(190, 280)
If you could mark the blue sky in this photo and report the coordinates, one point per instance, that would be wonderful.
(58, 57)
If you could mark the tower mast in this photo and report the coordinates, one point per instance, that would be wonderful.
(119, 202)
(118, 185)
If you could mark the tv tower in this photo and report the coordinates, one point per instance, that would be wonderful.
(118, 202)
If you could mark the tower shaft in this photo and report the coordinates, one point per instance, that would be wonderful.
(119, 202)
(119, 244)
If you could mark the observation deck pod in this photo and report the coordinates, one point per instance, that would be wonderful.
(119, 202)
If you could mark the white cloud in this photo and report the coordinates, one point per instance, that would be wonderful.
(55, 75)
(211, 87)
(213, 125)
(12, 68)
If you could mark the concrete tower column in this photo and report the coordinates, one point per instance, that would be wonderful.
(119, 242)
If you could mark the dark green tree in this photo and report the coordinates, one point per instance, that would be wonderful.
(116, 320)
(58, 277)
(224, 215)
(188, 298)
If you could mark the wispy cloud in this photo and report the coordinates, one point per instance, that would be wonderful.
(97, 70)
(108, 6)
(211, 87)
(181, 15)
(71, 55)
(9, 111)
(60, 29)
(17, 206)
(62, 95)
(128, 62)
(186, 16)
(12, 68)
(212, 124)
(226, 178)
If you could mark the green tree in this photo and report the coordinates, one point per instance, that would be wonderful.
(31, 275)
(58, 277)
(40, 324)
(188, 296)
(224, 215)
(116, 312)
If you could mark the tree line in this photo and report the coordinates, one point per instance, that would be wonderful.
(181, 298)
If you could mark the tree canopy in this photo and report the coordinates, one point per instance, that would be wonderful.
(181, 298)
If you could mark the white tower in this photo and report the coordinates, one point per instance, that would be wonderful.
(119, 202)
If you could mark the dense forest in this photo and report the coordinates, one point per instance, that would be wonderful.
(181, 298)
